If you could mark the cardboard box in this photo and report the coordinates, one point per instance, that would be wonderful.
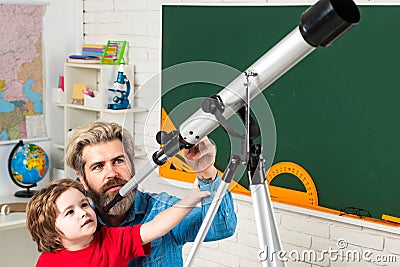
(92, 102)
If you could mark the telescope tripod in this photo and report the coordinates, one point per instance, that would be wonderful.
(268, 236)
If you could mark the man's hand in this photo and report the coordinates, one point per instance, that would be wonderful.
(201, 158)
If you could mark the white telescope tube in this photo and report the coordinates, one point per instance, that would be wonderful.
(269, 68)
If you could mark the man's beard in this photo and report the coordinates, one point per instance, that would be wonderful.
(101, 198)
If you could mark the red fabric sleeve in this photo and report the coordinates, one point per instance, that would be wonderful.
(127, 241)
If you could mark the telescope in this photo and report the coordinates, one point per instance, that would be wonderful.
(320, 25)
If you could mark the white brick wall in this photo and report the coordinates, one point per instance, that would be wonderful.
(138, 22)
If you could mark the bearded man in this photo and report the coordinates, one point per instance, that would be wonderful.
(102, 154)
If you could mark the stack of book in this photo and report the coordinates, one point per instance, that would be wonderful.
(91, 53)
(111, 53)
(93, 50)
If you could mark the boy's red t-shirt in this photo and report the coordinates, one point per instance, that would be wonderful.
(111, 246)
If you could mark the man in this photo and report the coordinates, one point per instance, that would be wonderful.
(102, 156)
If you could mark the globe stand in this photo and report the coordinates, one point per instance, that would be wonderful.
(28, 193)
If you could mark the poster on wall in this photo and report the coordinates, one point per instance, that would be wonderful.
(21, 71)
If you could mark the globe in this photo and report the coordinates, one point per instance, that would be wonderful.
(27, 164)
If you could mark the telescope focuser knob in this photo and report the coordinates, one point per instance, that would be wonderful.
(212, 104)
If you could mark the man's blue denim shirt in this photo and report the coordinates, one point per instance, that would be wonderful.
(167, 250)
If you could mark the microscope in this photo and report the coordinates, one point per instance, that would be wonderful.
(122, 101)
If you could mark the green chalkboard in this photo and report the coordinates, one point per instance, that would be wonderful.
(337, 112)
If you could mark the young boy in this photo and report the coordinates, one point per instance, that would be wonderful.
(62, 222)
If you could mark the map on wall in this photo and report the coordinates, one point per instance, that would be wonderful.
(21, 71)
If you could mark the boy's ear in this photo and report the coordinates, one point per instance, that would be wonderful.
(80, 176)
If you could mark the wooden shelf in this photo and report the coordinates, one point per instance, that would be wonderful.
(121, 111)
(82, 107)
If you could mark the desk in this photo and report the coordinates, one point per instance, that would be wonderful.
(17, 247)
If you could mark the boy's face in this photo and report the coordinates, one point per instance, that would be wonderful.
(77, 220)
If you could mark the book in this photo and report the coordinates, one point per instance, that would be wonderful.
(101, 46)
(83, 59)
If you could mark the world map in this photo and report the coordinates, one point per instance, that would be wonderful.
(21, 68)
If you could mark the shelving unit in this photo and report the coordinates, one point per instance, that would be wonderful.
(99, 78)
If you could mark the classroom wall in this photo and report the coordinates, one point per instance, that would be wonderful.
(301, 230)
(59, 37)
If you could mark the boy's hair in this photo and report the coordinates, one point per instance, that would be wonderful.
(42, 212)
(95, 133)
